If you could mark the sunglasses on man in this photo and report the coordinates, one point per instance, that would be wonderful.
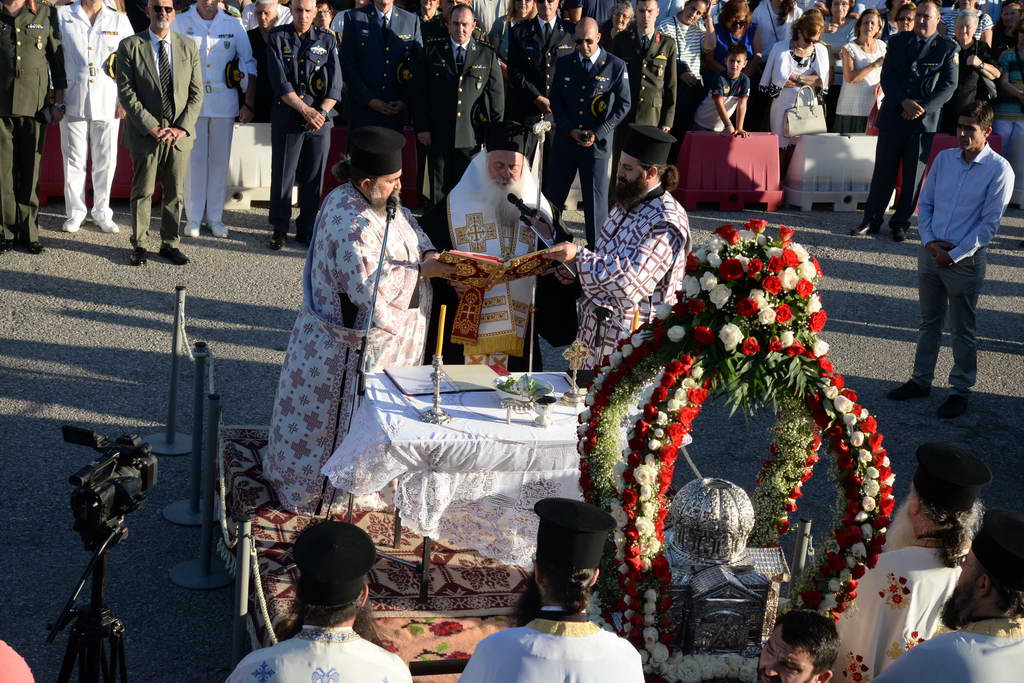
(588, 41)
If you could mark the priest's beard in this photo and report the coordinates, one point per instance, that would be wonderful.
(496, 195)
(379, 201)
(957, 611)
(900, 533)
(628, 193)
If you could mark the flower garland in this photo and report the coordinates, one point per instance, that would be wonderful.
(745, 327)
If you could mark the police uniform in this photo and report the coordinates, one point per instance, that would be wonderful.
(220, 41)
(91, 101)
(455, 106)
(652, 77)
(377, 62)
(594, 99)
(307, 66)
(31, 60)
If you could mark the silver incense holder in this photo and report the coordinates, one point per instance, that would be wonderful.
(435, 414)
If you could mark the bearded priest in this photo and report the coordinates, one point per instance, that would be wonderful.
(639, 260)
(317, 389)
(491, 328)
(899, 603)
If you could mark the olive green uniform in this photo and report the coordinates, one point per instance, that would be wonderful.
(652, 77)
(31, 62)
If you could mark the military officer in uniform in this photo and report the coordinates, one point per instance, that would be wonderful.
(306, 77)
(379, 46)
(31, 60)
(266, 19)
(437, 28)
(650, 58)
(90, 32)
(221, 41)
(459, 92)
(534, 47)
(589, 98)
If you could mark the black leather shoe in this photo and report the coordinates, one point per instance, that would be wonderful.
(954, 406)
(137, 257)
(303, 239)
(908, 391)
(277, 240)
(5, 245)
(865, 229)
(899, 235)
(174, 255)
(34, 247)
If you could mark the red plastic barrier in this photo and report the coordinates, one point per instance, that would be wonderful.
(339, 144)
(51, 170)
(729, 171)
(940, 142)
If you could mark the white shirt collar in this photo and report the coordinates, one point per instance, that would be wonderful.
(155, 39)
(455, 46)
(382, 14)
(593, 57)
(541, 22)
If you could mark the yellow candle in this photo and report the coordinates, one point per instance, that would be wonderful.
(440, 331)
(636, 320)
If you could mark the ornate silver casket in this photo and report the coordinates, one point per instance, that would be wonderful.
(724, 595)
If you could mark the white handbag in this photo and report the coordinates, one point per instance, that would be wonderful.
(804, 119)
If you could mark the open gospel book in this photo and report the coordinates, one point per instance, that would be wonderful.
(483, 271)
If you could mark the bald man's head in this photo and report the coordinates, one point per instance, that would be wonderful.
(587, 37)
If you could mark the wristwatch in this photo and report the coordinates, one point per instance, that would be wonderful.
(60, 105)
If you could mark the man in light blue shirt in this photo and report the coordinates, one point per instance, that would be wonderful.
(961, 205)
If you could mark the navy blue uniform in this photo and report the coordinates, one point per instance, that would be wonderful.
(597, 101)
(531, 64)
(309, 68)
(926, 73)
(378, 64)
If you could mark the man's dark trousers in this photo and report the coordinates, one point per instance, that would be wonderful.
(893, 149)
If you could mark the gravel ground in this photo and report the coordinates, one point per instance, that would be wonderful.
(86, 340)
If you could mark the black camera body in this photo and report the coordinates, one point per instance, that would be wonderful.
(111, 486)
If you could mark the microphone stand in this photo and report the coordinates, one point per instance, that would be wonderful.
(540, 129)
(363, 364)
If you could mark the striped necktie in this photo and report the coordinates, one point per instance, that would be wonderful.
(166, 92)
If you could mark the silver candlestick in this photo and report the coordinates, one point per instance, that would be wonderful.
(435, 414)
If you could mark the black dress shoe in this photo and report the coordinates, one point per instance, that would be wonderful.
(303, 239)
(908, 391)
(954, 406)
(34, 247)
(865, 228)
(174, 255)
(137, 257)
(899, 235)
(5, 245)
(277, 240)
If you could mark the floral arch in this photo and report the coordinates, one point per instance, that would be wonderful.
(745, 328)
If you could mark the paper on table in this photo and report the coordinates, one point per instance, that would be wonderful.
(416, 381)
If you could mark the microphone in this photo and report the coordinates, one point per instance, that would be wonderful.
(392, 206)
(527, 212)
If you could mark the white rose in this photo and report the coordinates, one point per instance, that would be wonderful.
(849, 419)
(719, 295)
(654, 444)
(618, 468)
(589, 400)
(866, 531)
(745, 234)
(857, 439)
(676, 333)
(645, 474)
(801, 253)
(864, 456)
(651, 596)
(585, 415)
(814, 304)
(615, 359)
(697, 372)
(662, 311)
(766, 316)
(858, 550)
(789, 279)
(831, 392)
(659, 653)
(650, 636)
(691, 381)
(871, 487)
(730, 336)
(714, 260)
(871, 473)
(673, 405)
(662, 418)
(774, 251)
(644, 526)
(834, 585)
(619, 515)
(829, 602)
(744, 261)
(806, 270)
(820, 348)
(761, 238)
(707, 281)
(627, 349)
(660, 433)
(787, 339)
(646, 492)
(861, 516)
(691, 286)
(842, 404)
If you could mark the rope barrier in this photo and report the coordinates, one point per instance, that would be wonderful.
(260, 598)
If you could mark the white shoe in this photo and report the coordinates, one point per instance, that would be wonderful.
(192, 229)
(218, 229)
(106, 225)
(72, 225)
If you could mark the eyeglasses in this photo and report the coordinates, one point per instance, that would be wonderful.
(163, 10)
(588, 41)
(739, 22)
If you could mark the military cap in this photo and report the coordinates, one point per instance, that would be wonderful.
(949, 477)
(571, 533)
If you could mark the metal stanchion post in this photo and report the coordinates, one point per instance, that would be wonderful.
(803, 544)
(208, 571)
(242, 552)
(170, 442)
(186, 512)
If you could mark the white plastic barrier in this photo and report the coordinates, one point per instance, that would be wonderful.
(830, 169)
(249, 165)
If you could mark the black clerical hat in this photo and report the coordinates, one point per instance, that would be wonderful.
(571, 533)
(648, 144)
(376, 151)
(333, 559)
(506, 135)
(949, 477)
(999, 547)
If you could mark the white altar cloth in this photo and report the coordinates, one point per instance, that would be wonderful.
(472, 481)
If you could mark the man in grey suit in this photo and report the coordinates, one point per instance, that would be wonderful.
(159, 83)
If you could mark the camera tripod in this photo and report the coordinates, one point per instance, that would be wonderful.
(97, 636)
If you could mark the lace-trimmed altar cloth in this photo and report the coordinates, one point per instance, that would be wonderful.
(473, 481)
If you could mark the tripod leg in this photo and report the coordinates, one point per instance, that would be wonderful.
(117, 655)
(70, 653)
(106, 665)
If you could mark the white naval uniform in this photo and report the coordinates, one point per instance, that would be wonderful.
(987, 651)
(91, 104)
(546, 650)
(321, 656)
(284, 16)
(218, 41)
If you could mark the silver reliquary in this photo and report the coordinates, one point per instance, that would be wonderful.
(724, 595)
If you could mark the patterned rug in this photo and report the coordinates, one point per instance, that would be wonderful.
(462, 583)
(429, 639)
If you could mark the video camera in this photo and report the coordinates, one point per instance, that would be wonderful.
(111, 486)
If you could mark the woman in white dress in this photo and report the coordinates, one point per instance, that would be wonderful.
(774, 20)
(792, 67)
(862, 71)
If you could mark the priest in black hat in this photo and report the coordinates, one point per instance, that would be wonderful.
(476, 216)
(319, 378)
(555, 640)
(985, 613)
(900, 600)
(639, 260)
(336, 637)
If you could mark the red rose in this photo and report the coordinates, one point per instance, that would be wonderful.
(695, 306)
(660, 395)
(812, 598)
(692, 263)
(826, 366)
(817, 320)
(728, 233)
(789, 506)
(875, 441)
(858, 571)
(675, 432)
(731, 269)
(774, 344)
(746, 307)
(837, 381)
(835, 561)
(754, 266)
(775, 264)
(783, 526)
(756, 225)
(850, 394)
(704, 335)
(805, 288)
(785, 234)
(629, 498)
(749, 346)
(783, 314)
(790, 258)
(697, 396)
(868, 425)
(817, 266)
(772, 284)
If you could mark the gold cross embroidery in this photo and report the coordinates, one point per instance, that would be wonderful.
(476, 232)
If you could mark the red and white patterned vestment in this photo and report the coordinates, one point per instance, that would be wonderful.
(639, 261)
(317, 387)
